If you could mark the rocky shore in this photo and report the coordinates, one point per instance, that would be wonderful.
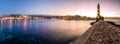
(102, 32)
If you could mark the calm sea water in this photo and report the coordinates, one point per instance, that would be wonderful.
(41, 31)
(117, 21)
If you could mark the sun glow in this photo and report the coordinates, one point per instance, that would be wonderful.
(93, 13)
(89, 13)
(109, 14)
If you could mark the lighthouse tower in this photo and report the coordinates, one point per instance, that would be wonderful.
(98, 17)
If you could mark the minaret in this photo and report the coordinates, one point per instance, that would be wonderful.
(98, 17)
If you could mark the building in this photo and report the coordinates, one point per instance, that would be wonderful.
(15, 17)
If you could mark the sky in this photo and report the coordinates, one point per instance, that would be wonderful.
(109, 8)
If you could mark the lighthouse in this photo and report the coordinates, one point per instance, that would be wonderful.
(98, 17)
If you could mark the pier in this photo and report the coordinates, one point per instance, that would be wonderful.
(102, 32)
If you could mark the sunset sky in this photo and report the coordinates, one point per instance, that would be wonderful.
(60, 7)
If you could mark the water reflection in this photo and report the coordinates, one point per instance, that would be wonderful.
(25, 24)
(10, 25)
(51, 30)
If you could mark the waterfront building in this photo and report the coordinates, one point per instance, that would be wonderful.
(15, 17)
